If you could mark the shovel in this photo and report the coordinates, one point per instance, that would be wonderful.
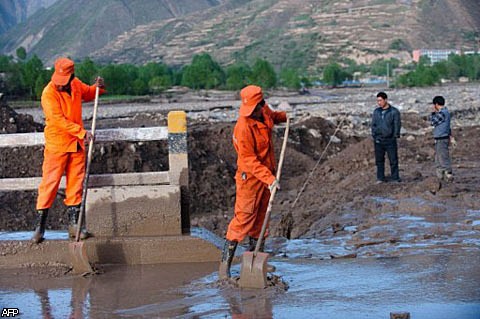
(77, 249)
(253, 271)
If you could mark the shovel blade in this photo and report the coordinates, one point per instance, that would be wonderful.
(78, 254)
(253, 271)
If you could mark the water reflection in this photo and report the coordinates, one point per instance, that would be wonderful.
(42, 295)
(80, 301)
(77, 308)
(249, 304)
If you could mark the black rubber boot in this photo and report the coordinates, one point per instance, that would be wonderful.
(73, 213)
(252, 244)
(227, 256)
(40, 224)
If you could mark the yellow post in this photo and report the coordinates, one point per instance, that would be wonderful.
(178, 160)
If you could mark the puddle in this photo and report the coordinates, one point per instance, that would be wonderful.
(27, 235)
(436, 286)
(420, 262)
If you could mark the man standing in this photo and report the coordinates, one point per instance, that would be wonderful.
(442, 133)
(65, 139)
(386, 125)
(255, 176)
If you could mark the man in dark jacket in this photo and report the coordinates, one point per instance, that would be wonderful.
(442, 133)
(386, 126)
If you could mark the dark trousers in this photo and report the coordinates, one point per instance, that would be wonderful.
(389, 147)
(442, 156)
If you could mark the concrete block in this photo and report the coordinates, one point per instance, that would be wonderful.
(149, 210)
(123, 251)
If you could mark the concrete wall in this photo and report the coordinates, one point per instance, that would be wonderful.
(127, 211)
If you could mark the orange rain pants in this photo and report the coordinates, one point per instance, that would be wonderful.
(54, 164)
(256, 168)
(64, 144)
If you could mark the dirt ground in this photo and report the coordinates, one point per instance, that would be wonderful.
(342, 182)
(348, 249)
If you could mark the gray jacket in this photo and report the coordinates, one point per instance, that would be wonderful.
(441, 123)
(386, 126)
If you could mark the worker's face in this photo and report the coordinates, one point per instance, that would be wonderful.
(382, 102)
(66, 87)
(257, 112)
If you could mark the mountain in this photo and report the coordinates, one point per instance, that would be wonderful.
(79, 28)
(289, 33)
(13, 12)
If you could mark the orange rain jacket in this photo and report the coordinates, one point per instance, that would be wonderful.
(64, 144)
(63, 115)
(256, 170)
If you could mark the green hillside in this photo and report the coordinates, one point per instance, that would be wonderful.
(303, 35)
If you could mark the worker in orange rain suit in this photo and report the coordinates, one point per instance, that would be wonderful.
(255, 176)
(65, 139)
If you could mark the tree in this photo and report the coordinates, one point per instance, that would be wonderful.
(5, 63)
(424, 75)
(152, 69)
(40, 83)
(119, 78)
(237, 76)
(21, 53)
(333, 74)
(139, 87)
(86, 71)
(203, 73)
(31, 70)
(159, 83)
(263, 74)
(290, 79)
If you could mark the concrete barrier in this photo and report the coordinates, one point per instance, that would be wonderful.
(119, 211)
(129, 250)
(136, 218)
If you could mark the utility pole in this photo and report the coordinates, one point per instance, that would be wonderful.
(388, 74)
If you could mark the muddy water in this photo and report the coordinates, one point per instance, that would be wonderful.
(434, 285)
(397, 254)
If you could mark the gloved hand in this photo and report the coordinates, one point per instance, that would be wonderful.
(88, 137)
(453, 141)
(100, 82)
(274, 185)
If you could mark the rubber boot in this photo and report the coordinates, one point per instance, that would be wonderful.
(252, 244)
(40, 224)
(227, 256)
(448, 177)
(73, 212)
(440, 174)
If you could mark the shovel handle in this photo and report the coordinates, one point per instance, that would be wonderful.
(272, 195)
(87, 170)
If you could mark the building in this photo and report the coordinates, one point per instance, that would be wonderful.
(434, 55)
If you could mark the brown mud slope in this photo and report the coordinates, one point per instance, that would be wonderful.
(339, 186)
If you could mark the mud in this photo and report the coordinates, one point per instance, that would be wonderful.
(340, 184)
(427, 286)
(348, 249)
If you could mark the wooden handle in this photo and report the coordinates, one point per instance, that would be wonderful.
(272, 195)
(87, 170)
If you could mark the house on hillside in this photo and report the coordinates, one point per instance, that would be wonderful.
(433, 54)
(437, 55)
